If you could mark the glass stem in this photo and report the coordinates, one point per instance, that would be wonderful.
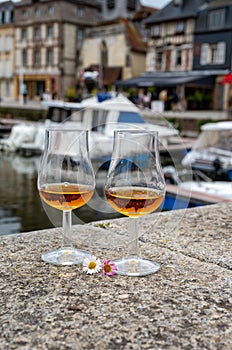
(67, 228)
(133, 246)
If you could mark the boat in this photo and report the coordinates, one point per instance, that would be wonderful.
(212, 151)
(100, 118)
(186, 189)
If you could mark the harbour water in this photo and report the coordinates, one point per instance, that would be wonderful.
(21, 209)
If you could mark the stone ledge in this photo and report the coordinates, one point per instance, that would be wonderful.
(186, 305)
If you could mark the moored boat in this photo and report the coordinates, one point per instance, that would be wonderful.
(212, 151)
(101, 119)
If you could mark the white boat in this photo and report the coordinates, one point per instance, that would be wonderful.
(212, 151)
(198, 183)
(101, 119)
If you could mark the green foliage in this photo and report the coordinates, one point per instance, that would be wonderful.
(23, 113)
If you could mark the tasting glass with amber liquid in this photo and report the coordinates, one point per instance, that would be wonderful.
(135, 186)
(66, 182)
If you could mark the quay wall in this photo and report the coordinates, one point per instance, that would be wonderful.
(185, 305)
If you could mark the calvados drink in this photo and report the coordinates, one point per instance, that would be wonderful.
(66, 196)
(134, 201)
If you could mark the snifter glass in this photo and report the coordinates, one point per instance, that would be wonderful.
(135, 186)
(66, 182)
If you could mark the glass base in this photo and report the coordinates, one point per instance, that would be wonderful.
(136, 266)
(65, 256)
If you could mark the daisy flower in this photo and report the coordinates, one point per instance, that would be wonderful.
(91, 265)
(109, 268)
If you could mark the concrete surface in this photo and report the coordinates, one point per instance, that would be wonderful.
(186, 305)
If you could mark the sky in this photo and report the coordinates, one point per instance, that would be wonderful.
(155, 3)
(152, 3)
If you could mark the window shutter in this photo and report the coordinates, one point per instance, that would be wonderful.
(221, 52)
(204, 54)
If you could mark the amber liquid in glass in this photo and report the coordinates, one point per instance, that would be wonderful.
(66, 196)
(134, 201)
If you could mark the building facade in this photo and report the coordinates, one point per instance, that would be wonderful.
(116, 48)
(114, 9)
(48, 38)
(170, 47)
(7, 53)
(213, 47)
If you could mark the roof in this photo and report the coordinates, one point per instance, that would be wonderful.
(215, 4)
(134, 37)
(171, 12)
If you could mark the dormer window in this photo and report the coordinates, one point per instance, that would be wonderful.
(110, 4)
(24, 14)
(50, 10)
(80, 11)
(155, 30)
(37, 12)
(180, 27)
(217, 19)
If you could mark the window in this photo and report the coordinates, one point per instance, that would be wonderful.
(24, 34)
(36, 33)
(180, 27)
(50, 57)
(159, 59)
(80, 34)
(104, 54)
(37, 12)
(178, 57)
(8, 68)
(131, 5)
(8, 43)
(217, 19)
(155, 30)
(37, 58)
(50, 10)
(50, 31)
(110, 4)
(128, 60)
(213, 53)
(221, 52)
(80, 11)
(7, 88)
(24, 58)
(204, 54)
(7, 16)
(24, 14)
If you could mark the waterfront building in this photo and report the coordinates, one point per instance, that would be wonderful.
(213, 48)
(118, 44)
(118, 51)
(48, 38)
(189, 51)
(6, 51)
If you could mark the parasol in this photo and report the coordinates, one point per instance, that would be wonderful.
(227, 79)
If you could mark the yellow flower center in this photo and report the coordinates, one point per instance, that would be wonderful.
(92, 265)
(107, 268)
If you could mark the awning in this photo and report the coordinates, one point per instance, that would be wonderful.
(167, 80)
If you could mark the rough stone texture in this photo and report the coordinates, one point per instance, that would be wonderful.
(186, 305)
